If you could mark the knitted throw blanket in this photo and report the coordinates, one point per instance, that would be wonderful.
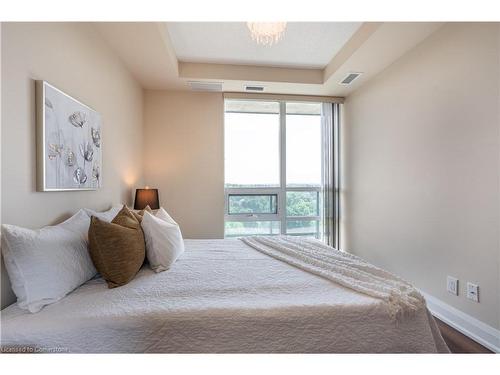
(399, 296)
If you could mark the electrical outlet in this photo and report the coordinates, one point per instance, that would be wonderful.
(452, 285)
(473, 292)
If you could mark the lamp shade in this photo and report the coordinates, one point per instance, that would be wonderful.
(146, 197)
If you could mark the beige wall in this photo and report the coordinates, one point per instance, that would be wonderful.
(74, 58)
(184, 158)
(422, 167)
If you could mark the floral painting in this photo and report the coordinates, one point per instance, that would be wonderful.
(69, 142)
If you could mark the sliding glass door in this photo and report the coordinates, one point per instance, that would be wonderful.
(274, 168)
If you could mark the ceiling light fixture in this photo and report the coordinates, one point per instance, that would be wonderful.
(266, 33)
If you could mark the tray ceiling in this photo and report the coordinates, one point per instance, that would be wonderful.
(304, 45)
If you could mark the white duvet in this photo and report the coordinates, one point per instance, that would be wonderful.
(220, 296)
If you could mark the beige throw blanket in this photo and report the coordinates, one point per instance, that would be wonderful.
(400, 297)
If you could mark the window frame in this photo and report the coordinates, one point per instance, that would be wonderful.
(252, 194)
(281, 191)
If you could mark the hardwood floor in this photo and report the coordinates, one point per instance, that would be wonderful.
(458, 342)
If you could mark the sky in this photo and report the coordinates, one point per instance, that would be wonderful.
(252, 149)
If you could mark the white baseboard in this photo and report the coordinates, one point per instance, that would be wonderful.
(464, 323)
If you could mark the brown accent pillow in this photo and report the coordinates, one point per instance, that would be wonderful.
(139, 215)
(117, 248)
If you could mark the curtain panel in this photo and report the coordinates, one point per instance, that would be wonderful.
(330, 202)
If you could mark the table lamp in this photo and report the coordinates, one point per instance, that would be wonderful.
(146, 197)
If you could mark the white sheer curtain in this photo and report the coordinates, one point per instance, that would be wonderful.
(331, 209)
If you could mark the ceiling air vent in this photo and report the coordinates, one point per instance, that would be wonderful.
(349, 78)
(205, 86)
(254, 88)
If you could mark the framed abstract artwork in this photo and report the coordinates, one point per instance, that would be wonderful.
(69, 147)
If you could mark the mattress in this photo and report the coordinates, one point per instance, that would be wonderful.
(221, 296)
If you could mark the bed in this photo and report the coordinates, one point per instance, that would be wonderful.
(221, 296)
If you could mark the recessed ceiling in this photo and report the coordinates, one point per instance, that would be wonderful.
(147, 49)
(304, 44)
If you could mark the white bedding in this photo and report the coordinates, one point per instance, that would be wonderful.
(220, 296)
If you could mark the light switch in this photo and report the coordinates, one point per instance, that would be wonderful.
(452, 285)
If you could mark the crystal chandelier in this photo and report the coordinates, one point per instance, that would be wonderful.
(266, 33)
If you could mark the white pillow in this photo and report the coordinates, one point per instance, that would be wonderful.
(163, 214)
(106, 215)
(46, 264)
(163, 239)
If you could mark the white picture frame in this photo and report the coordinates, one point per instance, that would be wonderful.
(69, 146)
